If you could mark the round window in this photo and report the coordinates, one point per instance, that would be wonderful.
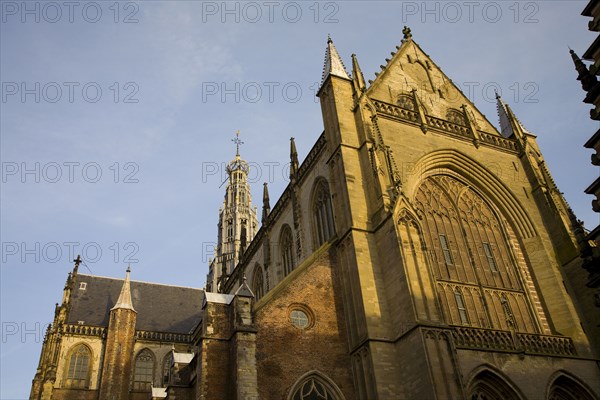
(299, 319)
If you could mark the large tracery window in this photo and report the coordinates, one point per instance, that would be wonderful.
(323, 214)
(258, 284)
(287, 249)
(143, 375)
(78, 373)
(471, 257)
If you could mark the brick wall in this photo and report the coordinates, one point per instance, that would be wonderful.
(284, 352)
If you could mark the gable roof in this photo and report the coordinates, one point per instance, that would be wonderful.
(160, 308)
(411, 68)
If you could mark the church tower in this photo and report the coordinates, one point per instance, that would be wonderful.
(238, 221)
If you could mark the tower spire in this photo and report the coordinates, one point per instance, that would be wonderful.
(357, 76)
(333, 62)
(238, 221)
(124, 300)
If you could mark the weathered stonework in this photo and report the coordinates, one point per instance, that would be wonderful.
(417, 253)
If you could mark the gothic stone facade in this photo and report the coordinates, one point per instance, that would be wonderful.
(417, 253)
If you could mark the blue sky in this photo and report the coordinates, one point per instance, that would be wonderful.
(137, 105)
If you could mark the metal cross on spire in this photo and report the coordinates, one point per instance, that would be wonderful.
(237, 142)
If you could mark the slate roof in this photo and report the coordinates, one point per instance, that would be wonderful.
(160, 308)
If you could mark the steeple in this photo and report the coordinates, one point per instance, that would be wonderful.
(509, 123)
(293, 160)
(266, 205)
(124, 300)
(333, 62)
(357, 76)
(238, 221)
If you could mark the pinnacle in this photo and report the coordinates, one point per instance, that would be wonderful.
(333, 62)
(124, 300)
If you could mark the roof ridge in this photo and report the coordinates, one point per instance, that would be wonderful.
(146, 282)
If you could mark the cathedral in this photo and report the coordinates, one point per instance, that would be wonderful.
(418, 252)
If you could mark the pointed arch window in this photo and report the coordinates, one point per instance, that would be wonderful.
(78, 373)
(456, 116)
(167, 363)
(508, 314)
(469, 244)
(489, 386)
(490, 257)
(230, 229)
(287, 253)
(323, 214)
(405, 101)
(258, 284)
(462, 310)
(566, 388)
(446, 249)
(315, 386)
(312, 390)
(144, 371)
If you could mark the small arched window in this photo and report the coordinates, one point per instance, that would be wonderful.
(144, 371)
(78, 373)
(323, 214)
(287, 249)
(456, 116)
(258, 282)
(406, 101)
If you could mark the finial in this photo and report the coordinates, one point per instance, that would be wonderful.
(406, 32)
(237, 142)
(571, 51)
(244, 278)
(128, 268)
(497, 95)
(329, 38)
(77, 261)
